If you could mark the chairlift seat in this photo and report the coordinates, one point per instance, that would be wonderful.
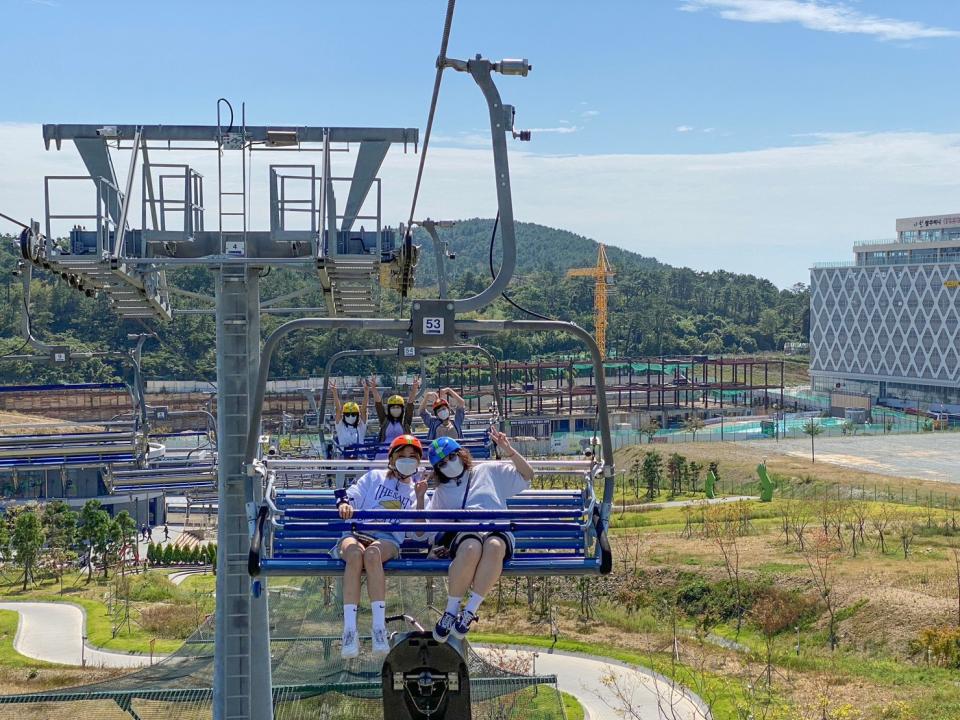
(557, 532)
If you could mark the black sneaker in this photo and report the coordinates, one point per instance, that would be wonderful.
(441, 632)
(462, 625)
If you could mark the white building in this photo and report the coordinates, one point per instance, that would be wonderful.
(888, 323)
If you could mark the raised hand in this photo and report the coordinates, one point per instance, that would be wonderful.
(502, 442)
(420, 488)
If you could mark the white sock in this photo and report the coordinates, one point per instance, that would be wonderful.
(473, 603)
(453, 604)
(379, 608)
(349, 617)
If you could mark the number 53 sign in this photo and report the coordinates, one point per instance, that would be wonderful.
(433, 326)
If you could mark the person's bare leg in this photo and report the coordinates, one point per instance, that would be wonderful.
(491, 564)
(352, 553)
(374, 557)
(463, 567)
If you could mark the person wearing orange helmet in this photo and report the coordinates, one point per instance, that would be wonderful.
(449, 411)
(398, 487)
(397, 417)
(350, 418)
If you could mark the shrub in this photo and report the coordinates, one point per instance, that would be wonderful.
(169, 621)
(168, 555)
(939, 645)
(152, 587)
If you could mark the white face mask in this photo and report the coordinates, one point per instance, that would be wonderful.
(453, 469)
(351, 419)
(406, 467)
(443, 414)
(396, 411)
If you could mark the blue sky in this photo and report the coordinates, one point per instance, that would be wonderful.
(643, 82)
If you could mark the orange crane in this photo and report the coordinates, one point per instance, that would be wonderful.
(603, 276)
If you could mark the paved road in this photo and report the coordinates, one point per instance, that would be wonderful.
(653, 697)
(926, 456)
(54, 632)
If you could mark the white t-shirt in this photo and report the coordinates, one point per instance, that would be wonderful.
(489, 484)
(375, 489)
(348, 435)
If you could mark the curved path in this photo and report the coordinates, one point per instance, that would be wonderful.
(53, 632)
(652, 695)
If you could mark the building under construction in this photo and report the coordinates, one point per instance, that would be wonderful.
(560, 394)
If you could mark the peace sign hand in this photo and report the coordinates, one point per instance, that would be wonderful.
(502, 442)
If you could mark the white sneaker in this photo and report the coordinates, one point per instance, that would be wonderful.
(350, 644)
(381, 645)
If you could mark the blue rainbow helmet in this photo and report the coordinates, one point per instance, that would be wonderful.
(441, 448)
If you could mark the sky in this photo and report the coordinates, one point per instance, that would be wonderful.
(755, 136)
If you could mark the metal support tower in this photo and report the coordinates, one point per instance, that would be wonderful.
(242, 682)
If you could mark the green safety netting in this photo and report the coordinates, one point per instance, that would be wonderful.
(310, 679)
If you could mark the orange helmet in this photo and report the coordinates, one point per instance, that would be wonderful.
(403, 441)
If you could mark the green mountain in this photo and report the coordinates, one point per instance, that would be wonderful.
(654, 309)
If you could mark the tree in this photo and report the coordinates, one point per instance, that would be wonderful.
(774, 611)
(27, 541)
(212, 555)
(676, 467)
(60, 527)
(812, 428)
(650, 428)
(127, 532)
(168, 555)
(693, 425)
(152, 554)
(694, 471)
(652, 472)
(96, 533)
(820, 556)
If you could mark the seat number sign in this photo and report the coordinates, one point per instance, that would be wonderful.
(433, 326)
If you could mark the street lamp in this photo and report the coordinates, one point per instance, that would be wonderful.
(83, 648)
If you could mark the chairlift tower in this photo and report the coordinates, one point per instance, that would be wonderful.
(107, 254)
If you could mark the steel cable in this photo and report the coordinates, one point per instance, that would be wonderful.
(433, 109)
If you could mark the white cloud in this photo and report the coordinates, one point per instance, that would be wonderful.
(708, 130)
(683, 128)
(590, 113)
(823, 16)
(769, 212)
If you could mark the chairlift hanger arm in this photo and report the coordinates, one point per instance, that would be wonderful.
(501, 122)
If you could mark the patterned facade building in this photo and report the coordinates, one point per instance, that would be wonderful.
(888, 323)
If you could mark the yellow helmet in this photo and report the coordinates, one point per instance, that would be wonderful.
(351, 408)
(395, 400)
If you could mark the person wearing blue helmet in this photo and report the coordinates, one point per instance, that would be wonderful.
(477, 557)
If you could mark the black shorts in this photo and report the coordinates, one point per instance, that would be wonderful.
(452, 540)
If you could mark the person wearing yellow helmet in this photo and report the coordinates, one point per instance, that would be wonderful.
(350, 418)
(396, 418)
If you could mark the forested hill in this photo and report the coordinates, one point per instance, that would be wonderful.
(654, 309)
(540, 248)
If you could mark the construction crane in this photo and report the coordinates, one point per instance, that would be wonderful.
(602, 275)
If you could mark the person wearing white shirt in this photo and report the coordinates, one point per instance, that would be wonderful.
(478, 557)
(350, 418)
(396, 488)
